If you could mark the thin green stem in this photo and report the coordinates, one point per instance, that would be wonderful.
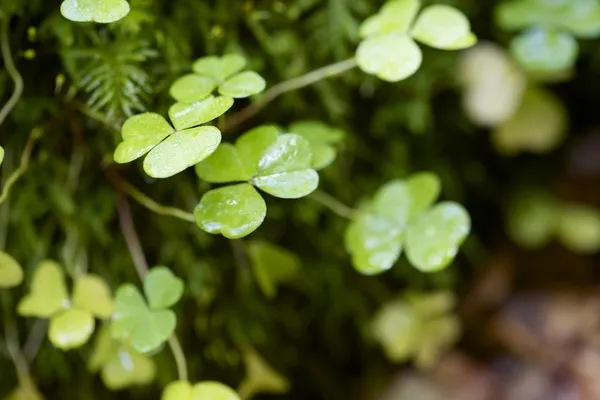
(14, 177)
(146, 201)
(333, 204)
(287, 86)
(12, 71)
(141, 266)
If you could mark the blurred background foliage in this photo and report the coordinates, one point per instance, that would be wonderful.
(527, 302)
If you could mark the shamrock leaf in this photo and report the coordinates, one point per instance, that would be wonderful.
(321, 139)
(11, 273)
(271, 264)
(544, 51)
(120, 367)
(208, 390)
(71, 328)
(213, 72)
(92, 294)
(102, 11)
(388, 49)
(432, 241)
(48, 293)
(182, 148)
(233, 211)
(532, 219)
(134, 323)
(162, 288)
(260, 377)
(578, 228)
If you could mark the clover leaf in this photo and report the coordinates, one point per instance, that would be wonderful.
(222, 73)
(279, 164)
(271, 264)
(120, 366)
(321, 138)
(102, 11)
(207, 390)
(145, 327)
(260, 377)
(544, 51)
(11, 273)
(71, 320)
(400, 215)
(171, 150)
(389, 50)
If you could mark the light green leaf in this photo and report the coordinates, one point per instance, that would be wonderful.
(320, 137)
(24, 393)
(11, 273)
(181, 150)
(532, 219)
(374, 244)
(91, 293)
(395, 15)
(191, 88)
(187, 115)
(133, 322)
(162, 288)
(178, 390)
(398, 329)
(102, 11)
(71, 328)
(233, 211)
(219, 68)
(271, 264)
(48, 293)
(401, 201)
(437, 335)
(582, 19)
(105, 347)
(432, 304)
(443, 27)
(244, 84)
(514, 15)
(252, 144)
(433, 240)
(224, 165)
(578, 228)
(140, 134)
(209, 390)
(391, 57)
(538, 126)
(1, 154)
(260, 377)
(544, 51)
(284, 168)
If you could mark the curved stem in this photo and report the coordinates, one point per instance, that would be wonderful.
(12, 71)
(146, 201)
(179, 358)
(333, 204)
(287, 86)
(141, 266)
(22, 167)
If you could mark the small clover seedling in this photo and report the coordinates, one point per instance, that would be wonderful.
(147, 326)
(120, 366)
(321, 138)
(400, 215)
(279, 164)
(213, 72)
(102, 11)
(11, 273)
(171, 150)
(389, 50)
(208, 390)
(419, 326)
(71, 320)
(547, 45)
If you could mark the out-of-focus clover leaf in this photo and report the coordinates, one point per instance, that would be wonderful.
(271, 265)
(71, 321)
(207, 390)
(24, 393)
(408, 329)
(433, 240)
(578, 228)
(279, 164)
(222, 73)
(321, 138)
(538, 126)
(11, 273)
(170, 150)
(542, 51)
(400, 215)
(102, 11)
(162, 288)
(120, 366)
(260, 377)
(389, 50)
